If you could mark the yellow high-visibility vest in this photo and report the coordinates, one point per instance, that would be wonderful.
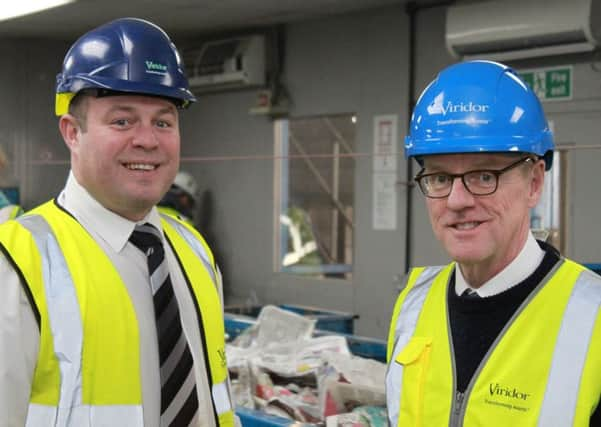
(175, 213)
(10, 212)
(544, 368)
(88, 368)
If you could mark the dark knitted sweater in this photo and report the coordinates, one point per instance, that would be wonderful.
(476, 323)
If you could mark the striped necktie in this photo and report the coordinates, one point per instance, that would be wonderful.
(179, 402)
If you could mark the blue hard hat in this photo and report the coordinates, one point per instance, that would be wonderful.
(126, 55)
(478, 107)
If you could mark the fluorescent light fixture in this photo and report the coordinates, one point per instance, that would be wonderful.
(17, 8)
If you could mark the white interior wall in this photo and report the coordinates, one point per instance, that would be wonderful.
(353, 63)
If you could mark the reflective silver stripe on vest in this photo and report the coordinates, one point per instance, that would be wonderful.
(404, 329)
(220, 393)
(571, 349)
(194, 244)
(86, 416)
(221, 397)
(66, 326)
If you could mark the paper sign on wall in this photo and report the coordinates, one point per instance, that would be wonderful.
(384, 201)
(384, 172)
(385, 143)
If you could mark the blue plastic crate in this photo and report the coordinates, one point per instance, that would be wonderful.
(360, 346)
(327, 320)
(253, 418)
(370, 348)
(594, 267)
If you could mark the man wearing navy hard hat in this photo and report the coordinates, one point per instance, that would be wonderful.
(508, 333)
(112, 312)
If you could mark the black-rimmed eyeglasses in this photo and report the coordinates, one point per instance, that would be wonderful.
(480, 182)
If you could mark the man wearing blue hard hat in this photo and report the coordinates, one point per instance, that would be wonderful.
(509, 333)
(111, 311)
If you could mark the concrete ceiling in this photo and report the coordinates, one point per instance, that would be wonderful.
(180, 18)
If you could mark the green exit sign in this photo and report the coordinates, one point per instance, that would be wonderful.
(550, 83)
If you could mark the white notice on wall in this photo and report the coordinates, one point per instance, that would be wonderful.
(385, 143)
(384, 202)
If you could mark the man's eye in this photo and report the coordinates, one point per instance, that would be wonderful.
(163, 124)
(486, 177)
(121, 122)
(437, 180)
(440, 179)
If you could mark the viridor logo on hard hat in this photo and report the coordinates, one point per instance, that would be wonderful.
(155, 68)
(438, 106)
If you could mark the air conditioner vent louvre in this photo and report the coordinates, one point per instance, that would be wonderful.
(508, 29)
(520, 43)
(234, 63)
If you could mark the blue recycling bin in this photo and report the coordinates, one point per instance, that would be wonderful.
(327, 320)
(238, 318)
(371, 348)
(360, 346)
(596, 267)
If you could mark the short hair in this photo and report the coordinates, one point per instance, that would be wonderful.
(78, 108)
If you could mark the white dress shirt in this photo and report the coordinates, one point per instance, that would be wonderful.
(19, 334)
(518, 270)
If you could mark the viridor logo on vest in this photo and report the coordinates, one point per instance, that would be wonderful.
(155, 68)
(221, 353)
(438, 106)
(496, 389)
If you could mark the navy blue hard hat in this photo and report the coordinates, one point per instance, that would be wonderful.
(127, 55)
(478, 107)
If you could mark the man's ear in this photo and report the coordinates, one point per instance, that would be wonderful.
(70, 129)
(537, 183)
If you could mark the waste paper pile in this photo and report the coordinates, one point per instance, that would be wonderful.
(277, 367)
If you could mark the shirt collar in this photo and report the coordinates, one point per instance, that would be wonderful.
(518, 270)
(112, 228)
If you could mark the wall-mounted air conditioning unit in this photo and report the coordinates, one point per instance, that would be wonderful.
(233, 63)
(516, 29)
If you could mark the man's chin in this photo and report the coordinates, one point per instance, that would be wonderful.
(136, 208)
(466, 255)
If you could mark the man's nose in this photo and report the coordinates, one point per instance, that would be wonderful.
(145, 136)
(459, 197)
